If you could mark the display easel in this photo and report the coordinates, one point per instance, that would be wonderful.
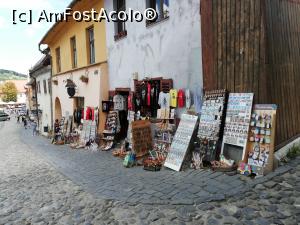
(237, 121)
(261, 143)
(141, 137)
(181, 142)
(211, 124)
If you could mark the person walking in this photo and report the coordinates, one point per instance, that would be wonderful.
(34, 128)
(25, 123)
(56, 131)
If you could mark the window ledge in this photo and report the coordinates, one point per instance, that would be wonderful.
(150, 24)
(120, 35)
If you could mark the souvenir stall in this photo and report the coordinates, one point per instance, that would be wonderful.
(84, 133)
(155, 101)
(220, 130)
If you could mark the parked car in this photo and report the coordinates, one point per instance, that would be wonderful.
(4, 116)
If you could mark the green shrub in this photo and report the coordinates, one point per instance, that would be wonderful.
(293, 152)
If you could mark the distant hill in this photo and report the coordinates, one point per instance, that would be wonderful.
(11, 75)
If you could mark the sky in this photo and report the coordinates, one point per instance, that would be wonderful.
(19, 43)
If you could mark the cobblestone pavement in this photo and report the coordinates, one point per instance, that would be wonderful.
(105, 176)
(38, 186)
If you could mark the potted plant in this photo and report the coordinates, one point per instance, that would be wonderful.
(84, 79)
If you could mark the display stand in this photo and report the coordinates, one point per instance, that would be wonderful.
(211, 124)
(163, 137)
(111, 129)
(141, 137)
(131, 119)
(181, 142)
(261, 142)
(237, 124)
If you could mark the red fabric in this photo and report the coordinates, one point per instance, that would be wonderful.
(181, 98)
(129, 102)
(149, 94)
(89, 114)
(93, 114)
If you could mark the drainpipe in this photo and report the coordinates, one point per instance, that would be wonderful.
(36, 103)
(51, 101)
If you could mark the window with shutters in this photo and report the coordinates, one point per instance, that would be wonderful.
(38, 87)
(91, 44)
(120, 26)
(45, 86)
(58, 60)
(73, 52)
(49, 86)
(162, 9)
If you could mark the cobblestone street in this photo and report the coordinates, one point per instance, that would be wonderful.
(45, 184)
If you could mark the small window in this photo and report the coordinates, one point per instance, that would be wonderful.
(38, 87)
(49, 86)
(91, 45)
(58, 60)
(73, 52)
(45, 86)
(161, 7)
(120, 26)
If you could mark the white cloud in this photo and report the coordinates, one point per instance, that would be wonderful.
(26, 4)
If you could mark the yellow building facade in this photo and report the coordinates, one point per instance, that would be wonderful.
(78, 52)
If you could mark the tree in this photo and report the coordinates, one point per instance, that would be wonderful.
(9, 92)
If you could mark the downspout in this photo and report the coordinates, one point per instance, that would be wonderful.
(51, 101)
(36, 104)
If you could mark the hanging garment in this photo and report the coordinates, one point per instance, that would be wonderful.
(173, 96)
(88, 113)
(148, 94)
(164, 100)
(79, 115)
(198, 99)
(188, 99)
(75, 115)
(181, 98)
(129, 102)
(156, 93)
(154, 99)
(144, 94)
(82, 114)
(93, 114)
(137, 103)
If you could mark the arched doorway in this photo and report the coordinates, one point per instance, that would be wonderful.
(58, 113)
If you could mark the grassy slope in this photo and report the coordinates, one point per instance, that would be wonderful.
(11, 75)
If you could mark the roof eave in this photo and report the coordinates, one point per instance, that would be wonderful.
(71, 5)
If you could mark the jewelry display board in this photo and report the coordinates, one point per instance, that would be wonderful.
(87, 130)
(237, 121)
(93, 131)
(261, 141)
(130, 118)
(112, 127)
(141, 137)
(181, 142)
(211, 123)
